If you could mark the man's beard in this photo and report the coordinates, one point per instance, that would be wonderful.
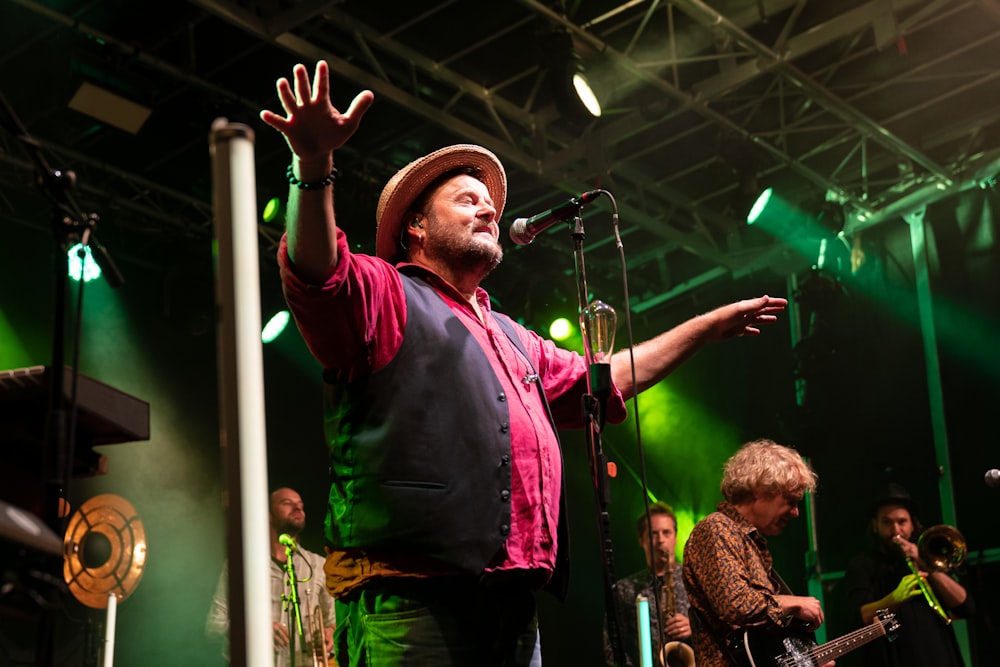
(472, 255)
(290, 527)
(889, 547)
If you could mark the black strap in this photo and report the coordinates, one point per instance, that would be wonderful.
(783, 588)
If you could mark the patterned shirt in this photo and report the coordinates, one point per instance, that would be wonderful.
(626, 592)
(729, 582)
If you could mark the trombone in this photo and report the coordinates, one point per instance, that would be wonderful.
(317, 638)
(943, 548)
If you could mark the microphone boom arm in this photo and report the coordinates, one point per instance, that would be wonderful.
(524, 230)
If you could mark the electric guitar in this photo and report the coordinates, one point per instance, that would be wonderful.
(759, 647)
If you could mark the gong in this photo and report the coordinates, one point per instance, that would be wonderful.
(105, 550)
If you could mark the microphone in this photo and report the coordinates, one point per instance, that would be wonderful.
(992, 478)
(287, 540)
(524, 230)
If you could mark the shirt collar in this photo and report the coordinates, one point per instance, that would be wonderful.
(748, 528)
(442, 285)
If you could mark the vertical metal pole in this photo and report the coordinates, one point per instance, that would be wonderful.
(644, 638)
(928, 333)
(795, 323)
(109, 630)
(241, 394)
(814, 570)
(917, 221)
(814, 573)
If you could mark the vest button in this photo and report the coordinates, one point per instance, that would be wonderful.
(505, 530)
(505, 495)
(504, 427)
(502, 398)
(505, 459)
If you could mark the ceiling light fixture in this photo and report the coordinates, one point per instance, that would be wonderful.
(109, 108)
(572, 89)
(585, 93)
(759, 205)
(81, 264)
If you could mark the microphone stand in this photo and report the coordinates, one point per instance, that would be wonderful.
(69, 223)
(294, 612)
(598, 391)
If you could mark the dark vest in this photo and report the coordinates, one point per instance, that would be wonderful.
(420, 449)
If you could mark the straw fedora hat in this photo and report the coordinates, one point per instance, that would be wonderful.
(410, 181)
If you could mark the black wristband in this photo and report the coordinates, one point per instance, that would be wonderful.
(317, 185)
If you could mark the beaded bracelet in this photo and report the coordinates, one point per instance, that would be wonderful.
(302, 185)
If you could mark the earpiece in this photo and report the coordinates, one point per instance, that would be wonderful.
(415, 222)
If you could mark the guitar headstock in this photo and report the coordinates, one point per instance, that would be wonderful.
(887, 619)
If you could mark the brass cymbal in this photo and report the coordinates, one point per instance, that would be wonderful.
(105, 550)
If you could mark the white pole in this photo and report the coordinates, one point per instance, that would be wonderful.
(642, 628)
(109, 631)
(241, 393)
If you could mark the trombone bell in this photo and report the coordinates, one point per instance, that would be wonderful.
(942, 547)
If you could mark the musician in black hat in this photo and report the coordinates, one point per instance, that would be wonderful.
(890, 577)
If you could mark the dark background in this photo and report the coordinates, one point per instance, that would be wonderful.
(862, 412)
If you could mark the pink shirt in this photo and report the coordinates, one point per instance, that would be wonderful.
(355, 323)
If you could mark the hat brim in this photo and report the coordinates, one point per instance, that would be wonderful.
(410, 181)
(909, 504)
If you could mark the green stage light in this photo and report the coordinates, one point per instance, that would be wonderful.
(759, 205)
(272, 209)
(81, 265)
(275, 326)
(560, 329)
(790, 224)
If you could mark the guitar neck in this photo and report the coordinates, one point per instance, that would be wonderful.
(838, 647)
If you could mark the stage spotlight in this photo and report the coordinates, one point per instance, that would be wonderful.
(560, 329)
(275, 326)
(782, 218)
(573, 90)
(816, 237)
(81, 265)
(585, 93)
(757, 209)
(272, 210)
